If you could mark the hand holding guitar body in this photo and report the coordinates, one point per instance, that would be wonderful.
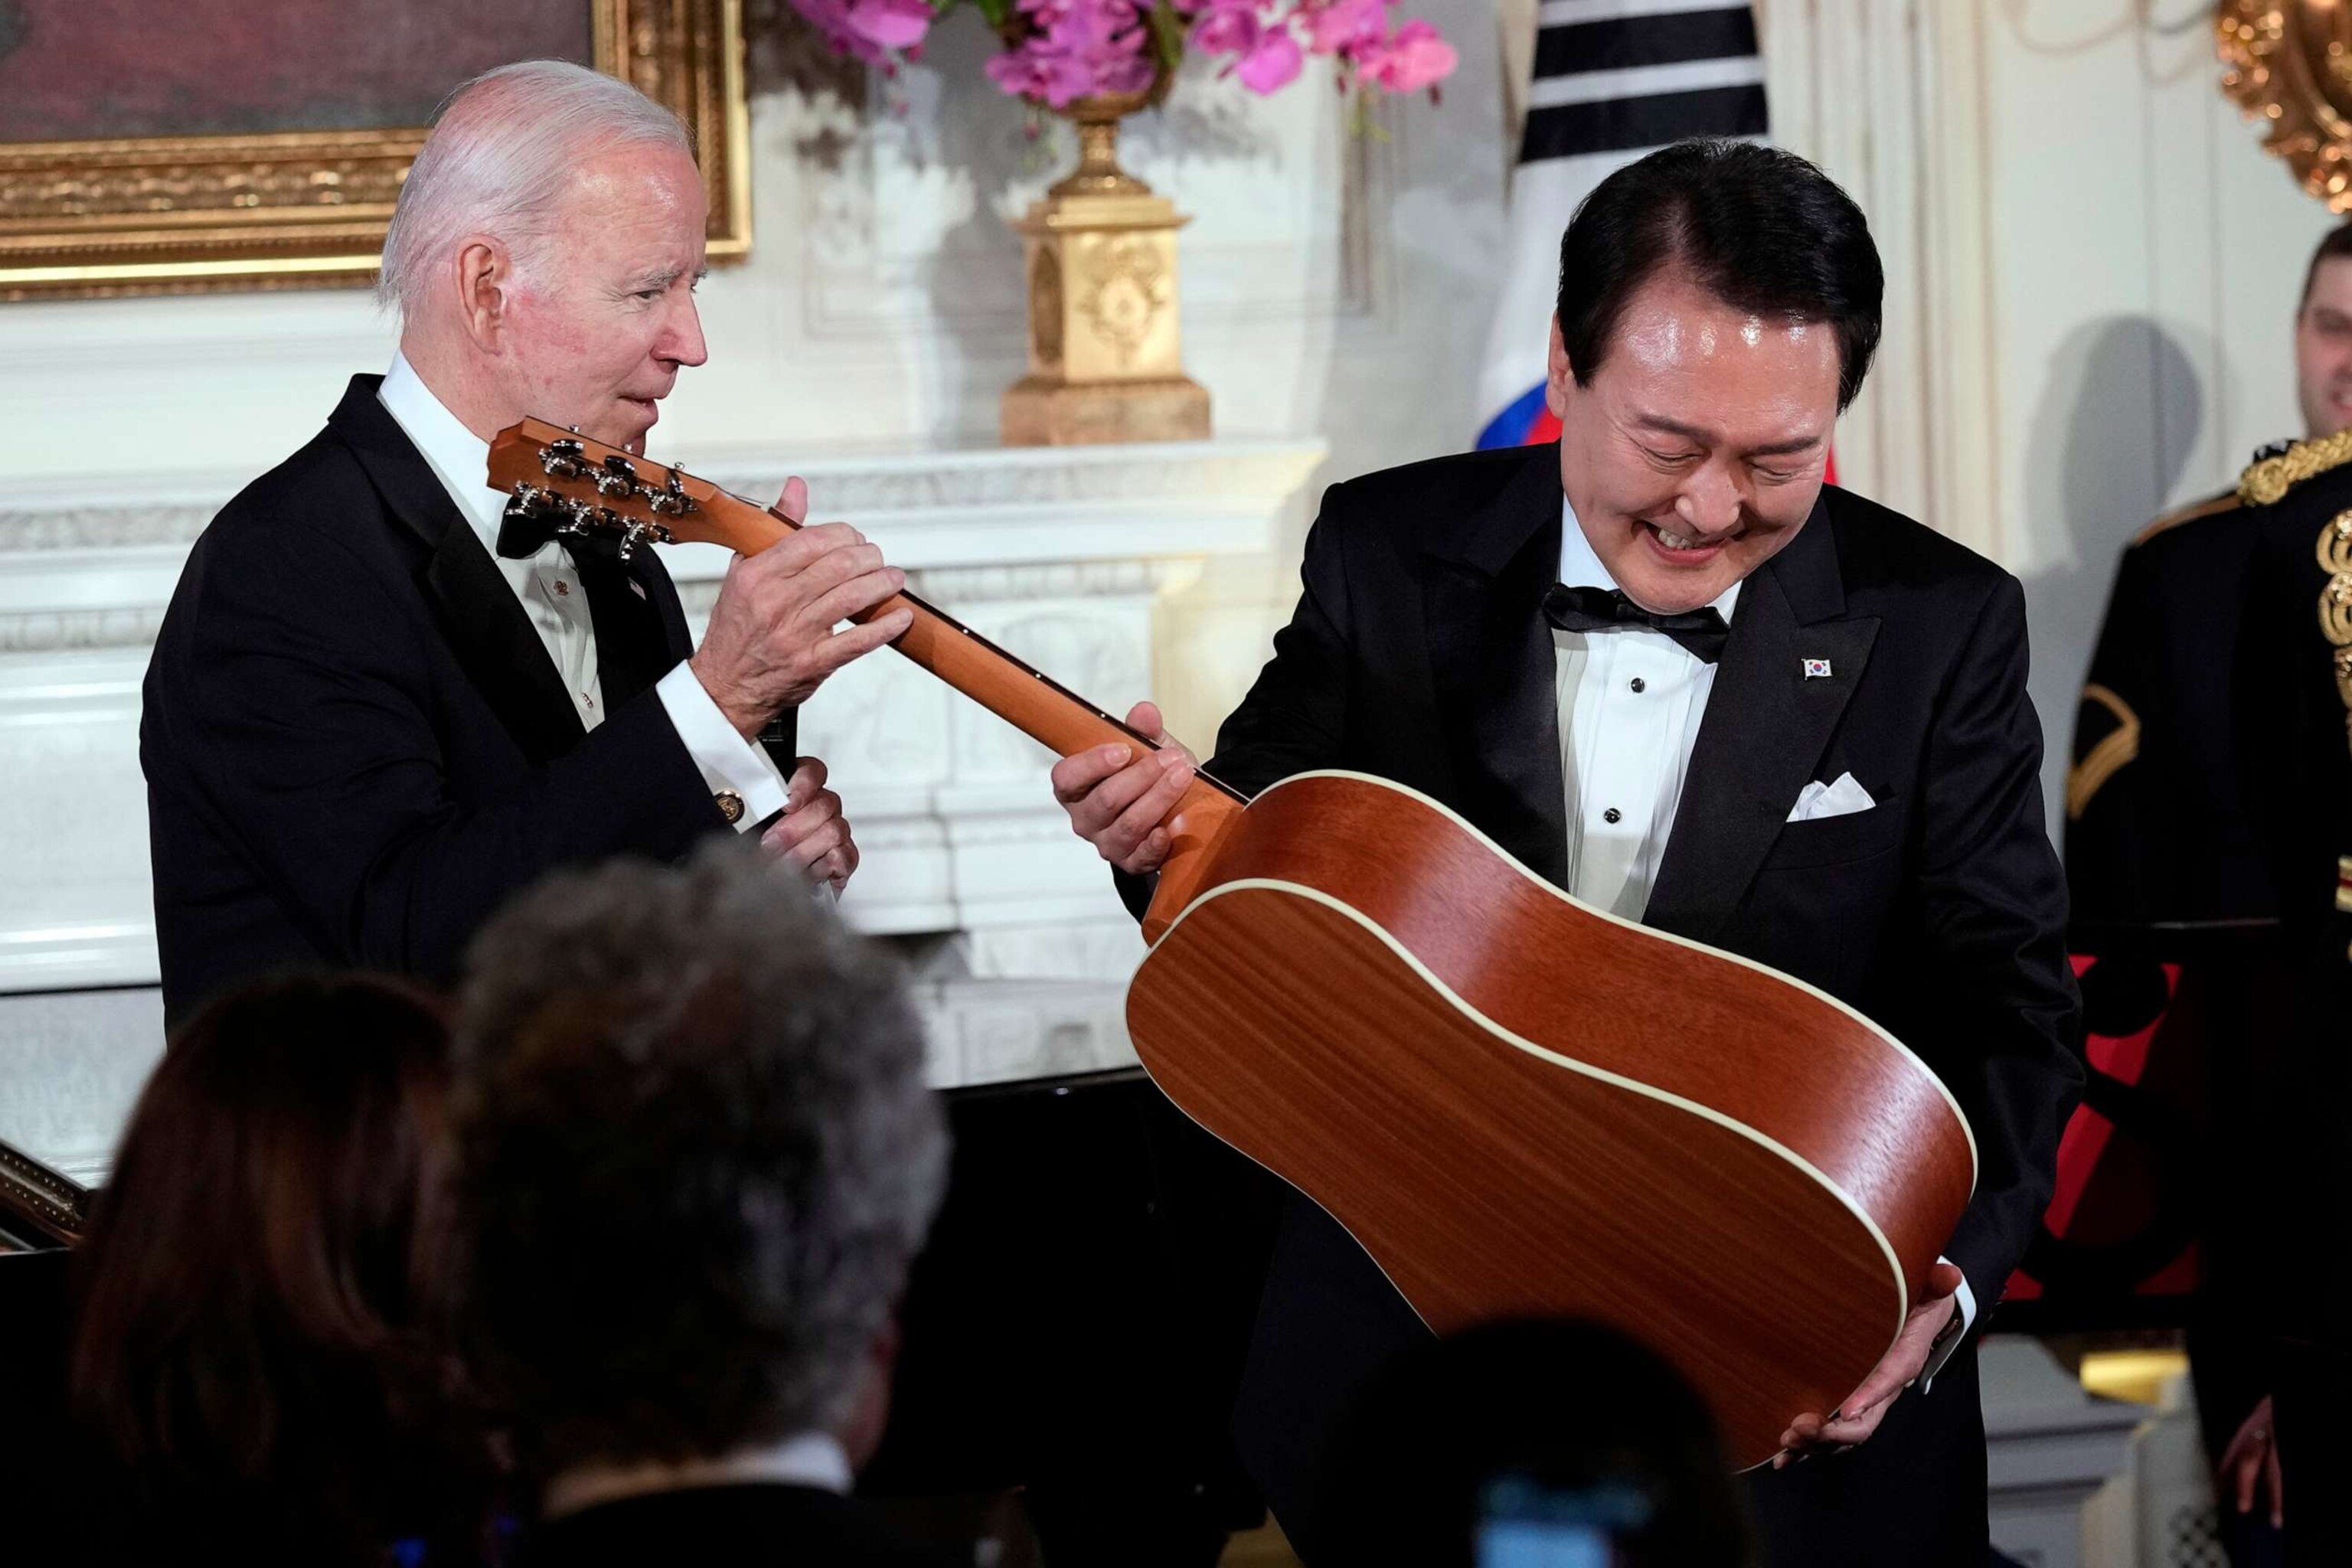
(1857, 1417)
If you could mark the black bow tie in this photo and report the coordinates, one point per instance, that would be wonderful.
(524, 532)
(1701, 631)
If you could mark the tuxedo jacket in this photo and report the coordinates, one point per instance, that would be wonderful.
(743, 1526)
(356, 746)
(1420, 652)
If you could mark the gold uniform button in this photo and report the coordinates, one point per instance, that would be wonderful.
(730, 806)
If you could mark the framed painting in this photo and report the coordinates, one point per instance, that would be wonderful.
(215, 144)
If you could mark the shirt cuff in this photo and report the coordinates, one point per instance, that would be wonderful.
(1951, 1341)
(729, 764)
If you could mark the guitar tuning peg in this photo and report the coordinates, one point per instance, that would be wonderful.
(617, 476)
(671, 500)
(563, 459)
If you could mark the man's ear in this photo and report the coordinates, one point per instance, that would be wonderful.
(860, 1432)
(1558, 374)
(485, 280)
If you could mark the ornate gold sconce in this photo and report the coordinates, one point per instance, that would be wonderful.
(2289, 62)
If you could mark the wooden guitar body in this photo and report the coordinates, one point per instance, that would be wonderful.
(1519, 1105)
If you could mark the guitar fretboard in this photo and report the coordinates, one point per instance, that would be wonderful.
(926, 608)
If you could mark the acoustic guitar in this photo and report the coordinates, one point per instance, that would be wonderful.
(1516, 1103)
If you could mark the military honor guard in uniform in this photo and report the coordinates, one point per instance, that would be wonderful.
(2172, 822)
(2293, 694)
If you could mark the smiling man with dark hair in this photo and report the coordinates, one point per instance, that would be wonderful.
(1677, 675)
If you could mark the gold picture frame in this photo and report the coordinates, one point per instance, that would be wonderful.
(190, 214)
(2289, 63)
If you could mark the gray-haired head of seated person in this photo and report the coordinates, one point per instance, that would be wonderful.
(696, 1156)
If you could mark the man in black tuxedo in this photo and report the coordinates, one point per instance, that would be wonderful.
(1665, 667)
(695, 1153)
(375, 710)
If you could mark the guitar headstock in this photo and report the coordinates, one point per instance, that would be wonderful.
(585, 487)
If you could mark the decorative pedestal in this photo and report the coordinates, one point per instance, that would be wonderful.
(1106, 356)
(2050, 1450)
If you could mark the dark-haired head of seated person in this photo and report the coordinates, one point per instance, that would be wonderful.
(1532, 1445)
(260, 1365)
(696, 1157)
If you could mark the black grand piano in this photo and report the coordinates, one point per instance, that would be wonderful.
(42, 1213)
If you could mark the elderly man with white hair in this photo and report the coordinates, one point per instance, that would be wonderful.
(374, 713)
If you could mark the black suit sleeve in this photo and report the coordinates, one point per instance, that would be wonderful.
(1993, 902)
(1291, 720)
(299, 690)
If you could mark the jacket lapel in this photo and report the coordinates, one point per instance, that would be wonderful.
(1765, 726)
(486, 626)
(1491, 665)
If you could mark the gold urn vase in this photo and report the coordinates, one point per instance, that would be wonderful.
(1106, 357)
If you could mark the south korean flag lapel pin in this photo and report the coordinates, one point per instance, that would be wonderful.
(1817, 669)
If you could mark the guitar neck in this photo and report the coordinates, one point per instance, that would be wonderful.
(1023, 696)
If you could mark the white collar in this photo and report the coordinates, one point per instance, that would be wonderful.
(459, 458)
(803, 1459)
(1580, 568)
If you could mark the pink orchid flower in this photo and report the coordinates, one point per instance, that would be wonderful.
(1081, 48)
(892, 23)
(1085, 48)
(1228, 30)
(1272, 64)
(1413, 59)
(1346, 26)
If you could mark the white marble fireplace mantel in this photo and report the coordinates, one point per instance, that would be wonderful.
(1076, 559)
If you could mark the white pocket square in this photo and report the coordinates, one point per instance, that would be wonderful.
(1842, 799)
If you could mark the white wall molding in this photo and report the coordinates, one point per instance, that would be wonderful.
(979, 525)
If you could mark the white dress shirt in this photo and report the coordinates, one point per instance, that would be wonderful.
(1629, 705)
(1630, 702)
(813, 1460)
(547, 588)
